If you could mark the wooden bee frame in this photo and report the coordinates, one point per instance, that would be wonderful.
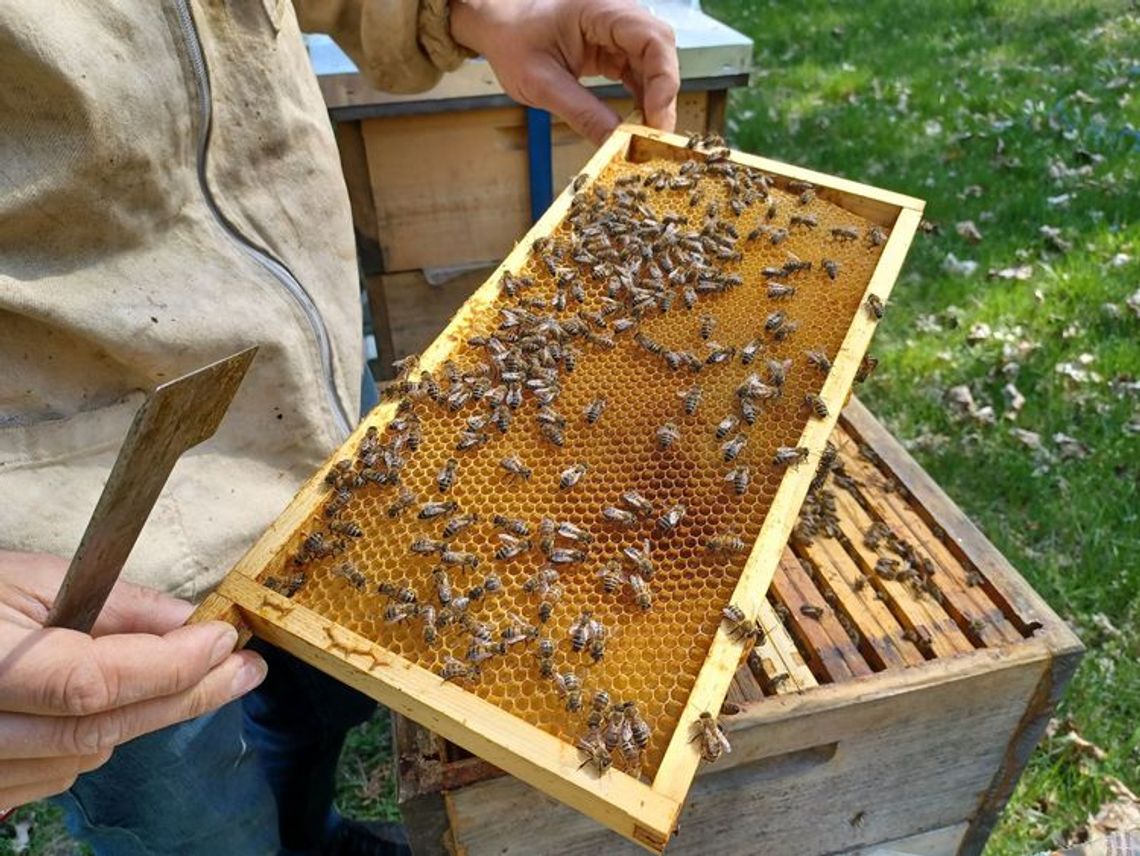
(644, 813)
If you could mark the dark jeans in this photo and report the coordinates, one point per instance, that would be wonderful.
(254, 777)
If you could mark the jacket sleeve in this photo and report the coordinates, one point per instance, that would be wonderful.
(399, 45)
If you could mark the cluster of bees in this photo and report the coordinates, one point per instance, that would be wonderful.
(644, 265)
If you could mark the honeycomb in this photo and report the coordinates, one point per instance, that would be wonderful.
(651, 657)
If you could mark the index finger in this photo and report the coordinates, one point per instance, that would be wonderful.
(56, 672)
(650, 47)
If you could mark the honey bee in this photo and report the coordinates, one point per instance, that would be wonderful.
(731, 450)
(287, 587)
(611, 736)
(867, 367)
(582, 631)
(748, 352)
(639, 728)
(875, 307)
(779, 290)
(567, 556)
(432, 510)
(787, 329)
(512, 524)
(619, 516)
(638, 503)
(600, 701)
(446, 477)
(777, 236)
(748, 411)
(346, 527)
(430, 631)
(778, 371)
(689, 297)
(887, 568)
(571, 476)
(642, 596)
(739, 476)
(707, 326)
(598, 645)
(877, 236)
(594, 410)
(973, 578)
(458, 523)
(808, 220)
(545, 610)
(541, 582)
(579, 181)
(811, 611)
(667, 435)
(713, 742)
(832, 268)
(427, 546)
(639, 558)
(845, 233)
(516, 467)
(337, 502)
(775, 321)
(454, 670)
(570, 688)
(725, 543)
(648, 344)
(817, 405)
(405, 366)
(512, 547)
(596, 755)
(442, 584)
(350, 573)
(518, 631)
(859, 584)
(395, 613)
(790, 455)
(807, 196)
(818, 359)
(739, 625)
(458, 558)
(612, 577)
(669, 520)
(692, 399)
(773, 210)
(719, 353)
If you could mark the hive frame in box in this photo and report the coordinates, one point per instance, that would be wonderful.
(644, 813)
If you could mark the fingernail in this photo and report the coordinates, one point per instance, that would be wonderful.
(223, 645)
(251, 673)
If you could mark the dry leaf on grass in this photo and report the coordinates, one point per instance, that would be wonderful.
(959, 267)
(1019, 273)
(1070, 447)
(1014, 399)
(1029, 439)
(968, 230)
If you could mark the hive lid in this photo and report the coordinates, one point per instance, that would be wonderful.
(674, 659)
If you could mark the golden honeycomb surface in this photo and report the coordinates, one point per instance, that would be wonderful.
(651, 657)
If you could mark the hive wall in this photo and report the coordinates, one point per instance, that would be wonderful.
(651, 658)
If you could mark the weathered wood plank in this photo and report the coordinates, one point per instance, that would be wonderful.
(976, 614)
(928, 621)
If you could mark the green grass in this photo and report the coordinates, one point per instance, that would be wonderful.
(915, 97)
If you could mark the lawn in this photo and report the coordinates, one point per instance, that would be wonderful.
(1022, 118)
(1010, 364)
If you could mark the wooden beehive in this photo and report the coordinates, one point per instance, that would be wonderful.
(739, 217)
(898, 722)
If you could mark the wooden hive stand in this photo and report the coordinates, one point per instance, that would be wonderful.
(896, 720)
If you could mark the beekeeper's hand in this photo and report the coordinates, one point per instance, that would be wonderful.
(539, 49)
(68, 699)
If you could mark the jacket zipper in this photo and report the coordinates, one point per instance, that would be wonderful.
(274, 266)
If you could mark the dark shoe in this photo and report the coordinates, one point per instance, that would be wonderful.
(372, 838)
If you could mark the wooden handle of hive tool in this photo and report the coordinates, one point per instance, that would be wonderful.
(175, 417)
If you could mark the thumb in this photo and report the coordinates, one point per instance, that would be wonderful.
(136, 609)
(558, 91)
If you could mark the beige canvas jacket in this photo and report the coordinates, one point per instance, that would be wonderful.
(170, 193)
